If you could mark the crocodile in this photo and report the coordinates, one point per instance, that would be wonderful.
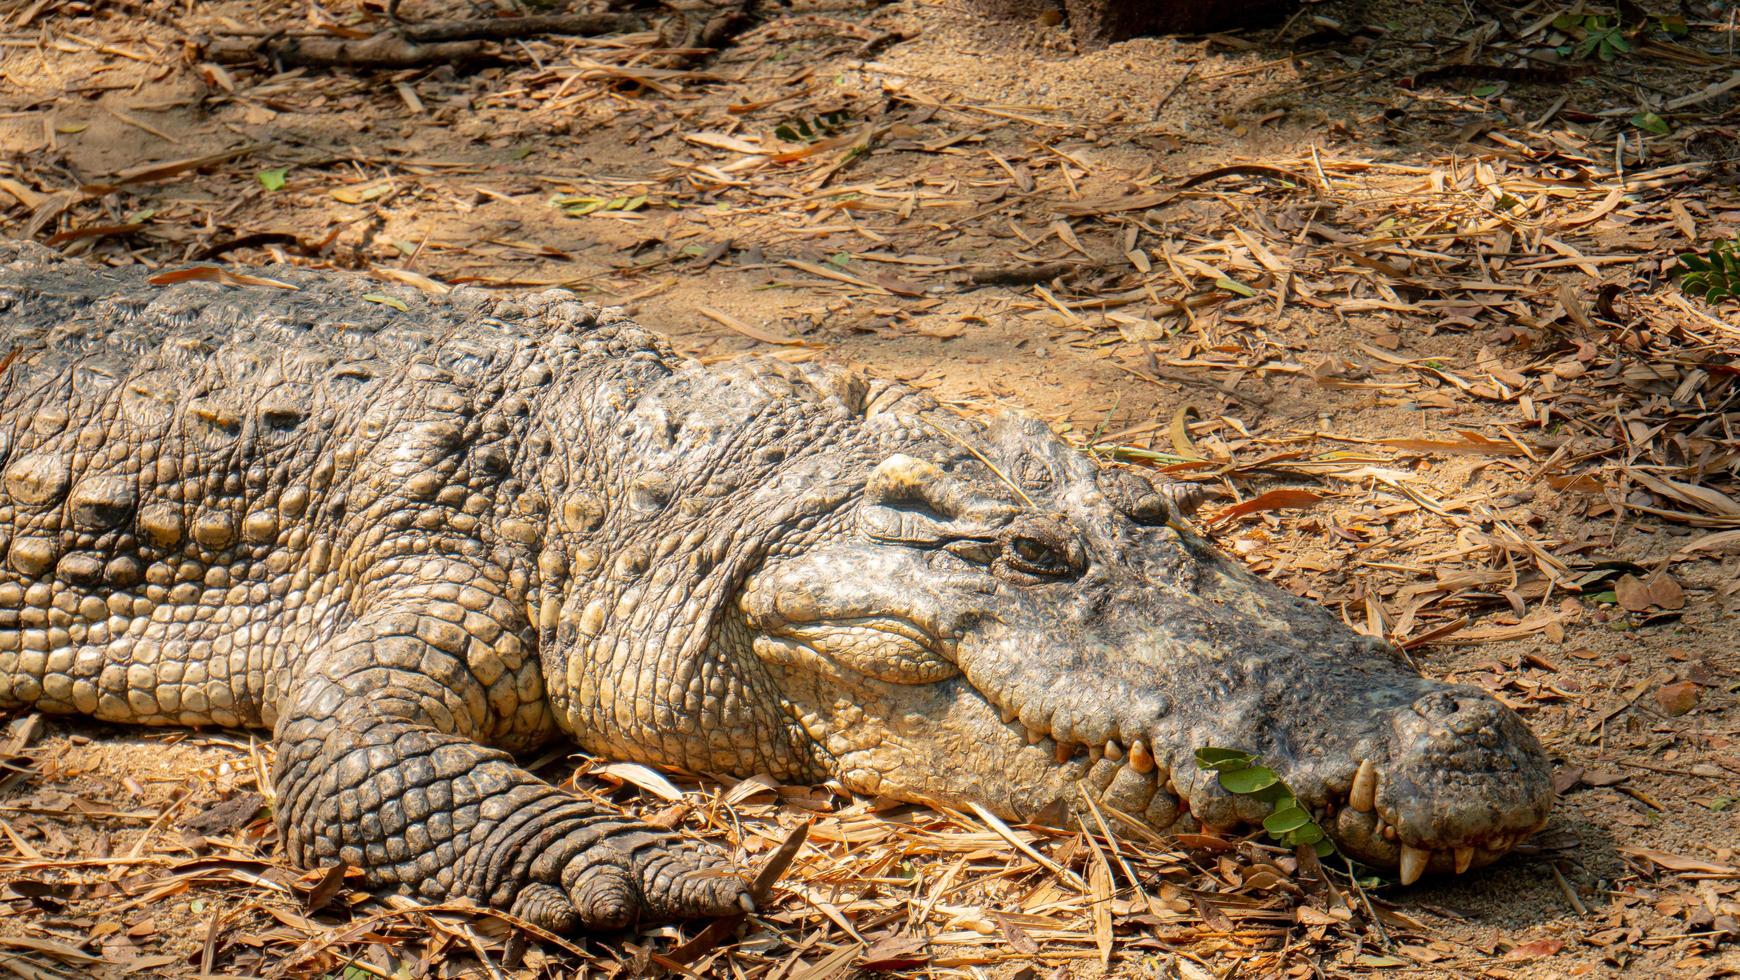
(417, 536)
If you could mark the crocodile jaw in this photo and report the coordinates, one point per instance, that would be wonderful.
(1447, 781)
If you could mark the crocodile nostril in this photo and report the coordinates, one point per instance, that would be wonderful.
(1438, 705)
(1458, 715)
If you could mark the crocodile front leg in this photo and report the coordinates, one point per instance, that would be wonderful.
(380, 767)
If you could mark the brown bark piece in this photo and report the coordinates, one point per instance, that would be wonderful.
(380, 51)
(412, 45)
(228, 815)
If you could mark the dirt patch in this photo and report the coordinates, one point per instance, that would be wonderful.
(1410, 259)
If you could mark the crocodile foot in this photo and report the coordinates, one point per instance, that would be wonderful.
(636, 876)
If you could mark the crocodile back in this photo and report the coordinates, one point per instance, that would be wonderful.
(196, 476)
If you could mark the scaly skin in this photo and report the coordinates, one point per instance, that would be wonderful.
(413, 543)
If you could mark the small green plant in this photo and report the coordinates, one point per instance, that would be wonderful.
(1596, 34)
(1672, 24)
(1715, 275)
(1288, 823)
(801, 130)
(1649, 122)
(274, 179)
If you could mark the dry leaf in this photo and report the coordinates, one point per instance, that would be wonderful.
(1273, 500)
(1631, 593)
(324, 890)
(1471, 442)
(1665, 592)
(753, 333)
(642, 776)
(1678, 862)
(210, 273)
(1677, 699)
(1536, 948)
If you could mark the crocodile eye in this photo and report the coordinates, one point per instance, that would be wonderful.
(1149, 510)
(1035, 557)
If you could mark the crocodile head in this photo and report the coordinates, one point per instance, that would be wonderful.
(1010, 625)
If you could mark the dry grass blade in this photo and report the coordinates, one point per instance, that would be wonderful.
(206, 273)
(753, 333)
(1002, 830)
(777, 864)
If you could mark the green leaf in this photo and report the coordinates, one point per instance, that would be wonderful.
(1282, 821)
(1651, 123)
(1720, 803)
(1234, 286)
(1248, 780)
(1278, 796)
(1287, 822)
(1223, 759)
(577, 206)
(272, 180)
(1482, 91)
(1715, 275)
(520, 153)
(385, 300)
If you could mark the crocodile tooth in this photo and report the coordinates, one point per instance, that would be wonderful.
(1095, 753)
(1114, 751)
(1034, 737)
(1414, 863)
(1363, 796)
(1141, 759)
(1464, 857)
(746, 903)
(1008, 715)
(1063, 751)
(1389, 832)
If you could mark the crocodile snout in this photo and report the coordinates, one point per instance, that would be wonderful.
(1460, 782)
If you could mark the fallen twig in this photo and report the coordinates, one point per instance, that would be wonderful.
(380, 51)
(1027, 275)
